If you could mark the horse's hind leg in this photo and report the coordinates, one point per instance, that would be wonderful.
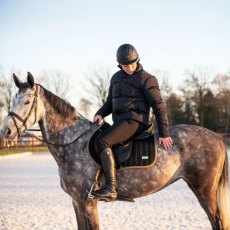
(207, 197)
(86, 214)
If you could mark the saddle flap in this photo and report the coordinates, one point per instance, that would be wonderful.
(122, 152)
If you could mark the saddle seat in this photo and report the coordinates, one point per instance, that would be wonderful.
(138, 151)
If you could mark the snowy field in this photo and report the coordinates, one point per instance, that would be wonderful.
(31, 198)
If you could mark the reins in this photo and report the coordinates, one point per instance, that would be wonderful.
(55, 144)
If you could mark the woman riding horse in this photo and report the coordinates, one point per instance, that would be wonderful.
(131, 93)
(198, 156)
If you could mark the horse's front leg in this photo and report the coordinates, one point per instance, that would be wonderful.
(87, 214)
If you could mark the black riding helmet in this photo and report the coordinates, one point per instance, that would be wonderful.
(127, 54)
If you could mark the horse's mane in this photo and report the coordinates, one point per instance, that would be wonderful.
(63, 107)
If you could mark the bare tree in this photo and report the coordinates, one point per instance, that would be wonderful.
(166, 88)
(58, 82)
(221, 83)
(97, 85)
(164, 83)
(196, 87)
(175, 109)
(85, 106)
(1, 108)
(222, 88)
(6, 88)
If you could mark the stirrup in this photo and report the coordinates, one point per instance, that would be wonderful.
(90, 196)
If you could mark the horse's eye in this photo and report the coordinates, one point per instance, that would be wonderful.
(27, 102)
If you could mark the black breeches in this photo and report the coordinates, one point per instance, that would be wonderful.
(119, 132)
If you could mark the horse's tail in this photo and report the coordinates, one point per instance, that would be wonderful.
(223, 196)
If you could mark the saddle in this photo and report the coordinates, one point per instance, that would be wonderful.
(138, 151)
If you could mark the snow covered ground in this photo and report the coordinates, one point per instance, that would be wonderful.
(31, 198)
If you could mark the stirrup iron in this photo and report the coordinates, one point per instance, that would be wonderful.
(90, 196)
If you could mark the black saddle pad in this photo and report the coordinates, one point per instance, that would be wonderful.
(142, 153)
(139, 151)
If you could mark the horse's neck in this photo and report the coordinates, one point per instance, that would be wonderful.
(54, 122)
(69, 141)
(54, 125)
(75, 138)
(61, 131)
(58, 128)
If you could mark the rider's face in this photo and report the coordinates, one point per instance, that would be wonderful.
(129, 69)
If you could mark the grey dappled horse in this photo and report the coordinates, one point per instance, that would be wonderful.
(198, 156)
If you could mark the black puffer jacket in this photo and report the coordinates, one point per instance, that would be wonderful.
(131, 96)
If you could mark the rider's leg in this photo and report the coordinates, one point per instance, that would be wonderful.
(108, 192)
(117, 133)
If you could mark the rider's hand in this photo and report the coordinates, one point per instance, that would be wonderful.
(97, 119)
(166, 142)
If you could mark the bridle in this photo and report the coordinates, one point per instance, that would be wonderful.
(15, 116)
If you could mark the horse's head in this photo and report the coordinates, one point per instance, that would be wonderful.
(24, 111)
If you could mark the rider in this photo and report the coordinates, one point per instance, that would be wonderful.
(132, 92)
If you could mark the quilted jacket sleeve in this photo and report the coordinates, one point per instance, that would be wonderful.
(154, 99)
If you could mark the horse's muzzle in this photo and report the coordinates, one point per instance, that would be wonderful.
(8, 133)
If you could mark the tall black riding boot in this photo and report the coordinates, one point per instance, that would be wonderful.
(107, 193)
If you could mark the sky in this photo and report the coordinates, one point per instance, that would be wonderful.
(76, 36)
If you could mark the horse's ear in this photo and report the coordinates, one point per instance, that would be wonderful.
(17, 81)
(30, 79)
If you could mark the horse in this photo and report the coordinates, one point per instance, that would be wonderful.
(198, 156)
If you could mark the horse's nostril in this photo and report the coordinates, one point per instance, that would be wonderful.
(8, 132)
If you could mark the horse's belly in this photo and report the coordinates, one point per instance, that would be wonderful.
(137, 183)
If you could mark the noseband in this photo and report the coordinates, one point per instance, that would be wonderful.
(15, 116)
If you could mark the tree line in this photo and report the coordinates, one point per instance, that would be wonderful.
(201, 99)
(202, 102)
